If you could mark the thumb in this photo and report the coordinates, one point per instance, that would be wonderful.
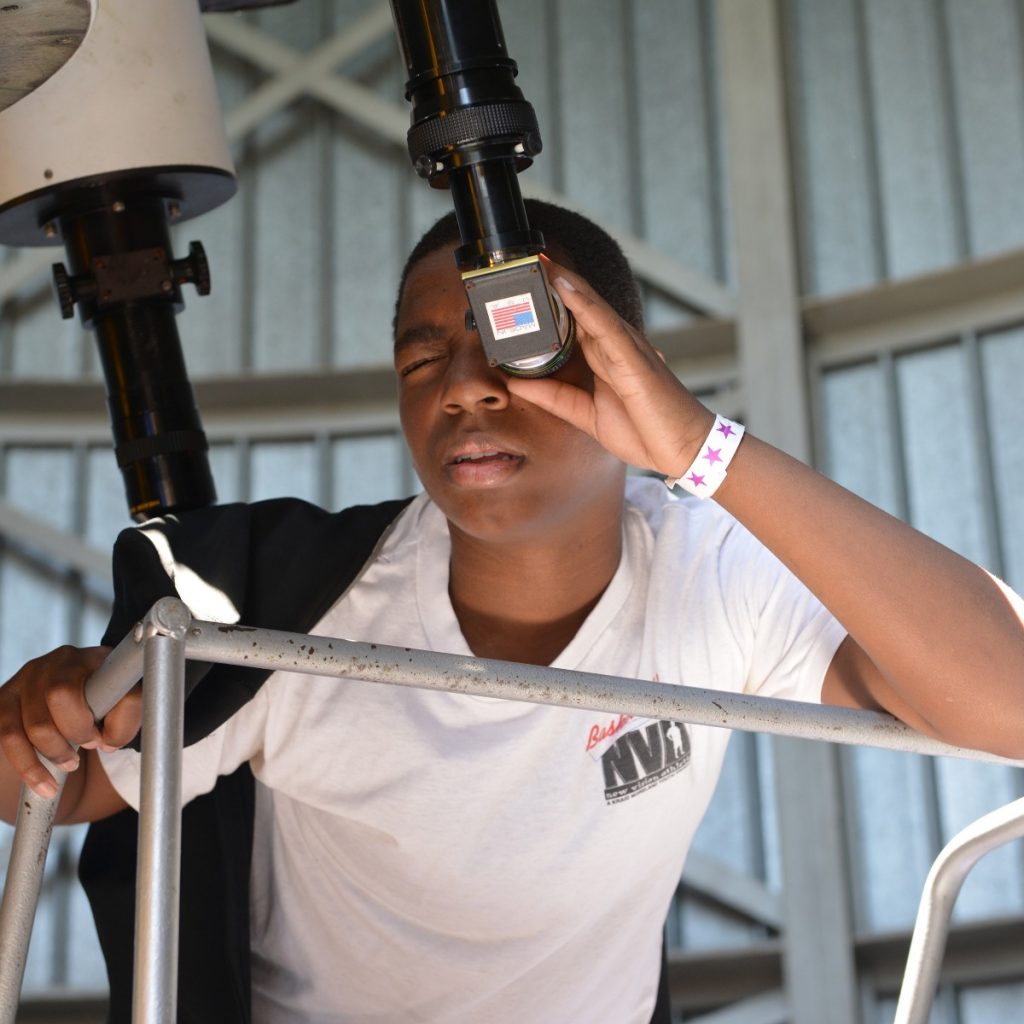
(123, 721)
(561, 399)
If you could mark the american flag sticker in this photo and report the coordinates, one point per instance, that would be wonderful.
(513, 315)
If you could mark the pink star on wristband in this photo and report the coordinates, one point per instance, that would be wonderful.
(705, 475)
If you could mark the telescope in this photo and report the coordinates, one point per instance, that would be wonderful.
(111, 132)
(472, 132)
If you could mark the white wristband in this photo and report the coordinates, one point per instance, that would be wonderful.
(708, 470)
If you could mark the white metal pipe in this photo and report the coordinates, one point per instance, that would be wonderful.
(33, 828)
(346, 659)
(941, 888)
(159, 861)
(32, 832)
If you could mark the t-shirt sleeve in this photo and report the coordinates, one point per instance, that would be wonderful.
(238, 740)
(792, 635)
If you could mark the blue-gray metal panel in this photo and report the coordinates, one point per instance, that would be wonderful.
(367, 469)
(944, 1011)
(211, 326)
(370, 177)
(985, 50)
(917, 191)
(855, 430)
(527, 28)
(227, 472)
(593, 68)
(835, 197)
(106, 507)
(34, 608)
(287, 185)
(43, 344)
(1002, 359)
(941, 452)
(730, 833)
(966, 792)
(674, 170)
(284, 469)
(889, 825)
(40, 480)
(991, 1004)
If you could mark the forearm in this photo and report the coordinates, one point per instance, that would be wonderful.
(940, 631)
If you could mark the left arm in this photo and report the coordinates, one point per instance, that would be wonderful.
(934, 639)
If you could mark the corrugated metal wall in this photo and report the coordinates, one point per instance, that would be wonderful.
(907, 126)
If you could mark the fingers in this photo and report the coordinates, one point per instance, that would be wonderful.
(616, 351)
(43, 708)
(562, 399)
(123, 721)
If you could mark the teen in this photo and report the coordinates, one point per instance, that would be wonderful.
(433, 857)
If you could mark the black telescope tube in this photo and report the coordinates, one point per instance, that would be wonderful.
(159, 441)
(472, 130)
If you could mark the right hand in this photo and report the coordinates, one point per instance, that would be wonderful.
(43, 707)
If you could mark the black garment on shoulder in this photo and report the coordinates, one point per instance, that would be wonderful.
(282, 563)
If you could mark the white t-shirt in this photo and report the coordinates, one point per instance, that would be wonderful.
(425, 856)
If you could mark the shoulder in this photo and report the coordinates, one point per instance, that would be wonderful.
(697, 541)
(682, 518)
(265, 518)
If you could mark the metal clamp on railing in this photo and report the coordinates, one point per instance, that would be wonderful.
(160, 644)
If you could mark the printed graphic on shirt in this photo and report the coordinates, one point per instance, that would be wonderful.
(643, 757)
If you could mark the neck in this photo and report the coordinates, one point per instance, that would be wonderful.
(525, 602)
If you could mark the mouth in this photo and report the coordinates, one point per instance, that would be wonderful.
(488, 456)
(480, 466)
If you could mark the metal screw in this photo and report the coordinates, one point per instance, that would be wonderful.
(165, 286)
(174, 210)
(117, 206)
(50, 229)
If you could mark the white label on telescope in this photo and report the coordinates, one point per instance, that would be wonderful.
(513, 315)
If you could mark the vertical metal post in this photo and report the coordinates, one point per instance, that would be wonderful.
(159, 863)
(33, 829)
(21, 892)
(819, 966)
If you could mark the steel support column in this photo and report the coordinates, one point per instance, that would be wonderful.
(819, 966)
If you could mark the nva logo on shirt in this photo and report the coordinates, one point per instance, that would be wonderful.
(644, 757)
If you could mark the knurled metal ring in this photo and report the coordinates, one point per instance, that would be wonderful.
(469, 124)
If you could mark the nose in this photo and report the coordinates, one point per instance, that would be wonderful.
(470, 382)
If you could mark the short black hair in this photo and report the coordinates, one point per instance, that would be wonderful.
(595, 255)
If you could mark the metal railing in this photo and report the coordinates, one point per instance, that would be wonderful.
(159, 646)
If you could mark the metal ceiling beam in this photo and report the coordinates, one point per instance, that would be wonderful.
(76, 553)
(26, 269)
(767, 1008)
(820, 978)
(743, 893)
(304, 70)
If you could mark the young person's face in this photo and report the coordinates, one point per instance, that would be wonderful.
(498, 467)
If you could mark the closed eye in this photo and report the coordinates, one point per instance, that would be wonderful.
(406, 370)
